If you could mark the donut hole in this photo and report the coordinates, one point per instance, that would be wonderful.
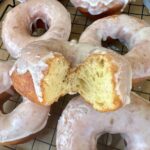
(9, 105)
(111, 141)
(39, 27)
(115, 45)
(95, 82)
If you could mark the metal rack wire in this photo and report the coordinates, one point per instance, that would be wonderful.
(46, 139)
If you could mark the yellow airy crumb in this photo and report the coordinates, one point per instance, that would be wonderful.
(96, 83)
(54, 82)
(93, 80)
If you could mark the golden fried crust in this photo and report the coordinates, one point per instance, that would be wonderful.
(23, 84)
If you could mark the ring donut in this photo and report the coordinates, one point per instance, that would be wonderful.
(132, 32)
(25, 120)
(48, 14)
(49, 69)
(80, 125)
(99, 8)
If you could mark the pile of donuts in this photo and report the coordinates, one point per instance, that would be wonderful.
(46, 66)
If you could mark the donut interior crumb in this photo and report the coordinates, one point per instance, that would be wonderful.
(54, 81)
(96, 83)
(94, 80)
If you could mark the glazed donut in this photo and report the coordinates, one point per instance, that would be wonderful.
(17, 33)
(49, 69)
(100, 8)
(132, 32)
(25, 120)
(80, 125)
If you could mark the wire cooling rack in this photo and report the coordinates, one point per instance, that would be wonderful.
(46, 139)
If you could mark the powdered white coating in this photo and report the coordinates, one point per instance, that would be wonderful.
(25, 120)
(16, 33)
(95, 7)
(80, 125)
(135, 37)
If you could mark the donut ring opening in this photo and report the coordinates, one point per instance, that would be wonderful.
(4, 97)
(38, 27)
(110, 139)
(115, 45)
(4, 106)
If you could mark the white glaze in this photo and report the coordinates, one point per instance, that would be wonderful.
(80, 125)
(96, 7)
(135, 37)
(26, 119)
(17, 36)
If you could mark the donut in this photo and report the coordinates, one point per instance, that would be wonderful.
(99, 8)
(80, 125)
(132, 32)
(25, 120)
(50, 69)
(17, 33)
